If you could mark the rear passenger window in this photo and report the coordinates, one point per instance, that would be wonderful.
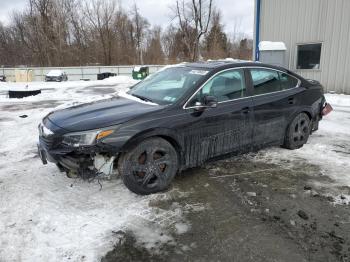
(265, 81)
(287, 81)
(268, 81)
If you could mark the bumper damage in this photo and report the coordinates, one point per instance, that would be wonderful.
(82, 162)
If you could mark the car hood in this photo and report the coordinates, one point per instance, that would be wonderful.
(99, 114)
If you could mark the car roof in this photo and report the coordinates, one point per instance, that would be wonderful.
(228, 63)
(55, 72)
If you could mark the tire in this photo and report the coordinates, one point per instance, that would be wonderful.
(149, 167)
(297, 132)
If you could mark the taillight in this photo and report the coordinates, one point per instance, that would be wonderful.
(327, 108)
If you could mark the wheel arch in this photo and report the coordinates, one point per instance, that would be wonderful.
(163, 133)
(308, 113)
(306, 110)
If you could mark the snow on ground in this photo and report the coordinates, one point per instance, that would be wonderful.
(70, 91)
(328, 148)
(45, 216)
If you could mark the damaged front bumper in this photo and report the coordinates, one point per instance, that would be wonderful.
(81, 161)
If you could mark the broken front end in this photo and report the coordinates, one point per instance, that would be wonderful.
(78, 153)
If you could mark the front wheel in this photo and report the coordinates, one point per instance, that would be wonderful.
(298, 132)
(149, 167)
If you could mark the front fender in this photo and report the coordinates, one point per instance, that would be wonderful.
(126, 139)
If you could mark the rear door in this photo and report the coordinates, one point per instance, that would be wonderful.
(224, 129)
(274, 101)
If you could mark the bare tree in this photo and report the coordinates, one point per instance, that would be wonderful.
(154, 52)
(100, 15)
(140, 25)
(90, 32)
(216, 44)
(240, 44)
(193, 18)
(169, 43)
(126, 52)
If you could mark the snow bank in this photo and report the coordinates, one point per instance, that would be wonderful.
(61, 87)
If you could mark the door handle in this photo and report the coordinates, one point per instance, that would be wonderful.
(291, 101)
(245, 110)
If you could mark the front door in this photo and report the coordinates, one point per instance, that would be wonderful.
(215, 131)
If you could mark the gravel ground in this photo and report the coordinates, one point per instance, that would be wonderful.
(250, 211)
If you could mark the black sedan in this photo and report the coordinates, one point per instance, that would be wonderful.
(181, 117)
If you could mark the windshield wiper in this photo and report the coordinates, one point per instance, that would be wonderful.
(142, 98)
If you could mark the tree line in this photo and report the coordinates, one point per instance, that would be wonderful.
(103, 32)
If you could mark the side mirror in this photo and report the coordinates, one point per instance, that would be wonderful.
(210, 101)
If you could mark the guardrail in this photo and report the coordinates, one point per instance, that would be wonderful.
(73, 73)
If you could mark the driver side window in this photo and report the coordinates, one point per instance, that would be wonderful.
(224, 86)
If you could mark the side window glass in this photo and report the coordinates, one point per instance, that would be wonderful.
(265, 81)
(287, 81)
(225, 86)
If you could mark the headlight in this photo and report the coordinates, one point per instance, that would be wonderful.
(85, 138)
(44, 131)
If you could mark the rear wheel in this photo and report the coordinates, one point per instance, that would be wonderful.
(149, 167)
(298, 132)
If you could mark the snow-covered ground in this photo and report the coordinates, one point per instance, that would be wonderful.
(45, 216)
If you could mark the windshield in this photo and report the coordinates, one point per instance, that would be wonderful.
(168, 85)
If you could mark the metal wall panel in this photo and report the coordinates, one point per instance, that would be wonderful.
(312, 21)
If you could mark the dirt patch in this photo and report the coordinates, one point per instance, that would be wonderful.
(127, 249)
(252, 212)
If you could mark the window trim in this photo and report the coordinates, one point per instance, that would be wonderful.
(251, 96)
(296, 56)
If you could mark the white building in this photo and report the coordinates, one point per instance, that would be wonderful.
(316, 34)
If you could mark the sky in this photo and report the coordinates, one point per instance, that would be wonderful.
(237, 14)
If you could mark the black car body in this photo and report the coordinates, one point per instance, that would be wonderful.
(2, 78)
(199, 125)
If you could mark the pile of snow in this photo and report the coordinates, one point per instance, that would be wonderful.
(55, 73)
(67, 92)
